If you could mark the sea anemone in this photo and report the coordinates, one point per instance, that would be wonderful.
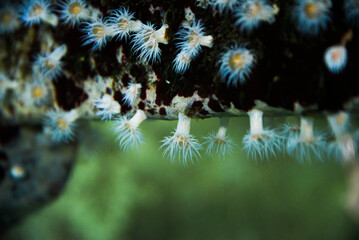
(236, 65)
(335, 58)
(220, 143)
(312, 15)
(61, 124)
(124, 23)
(307, 142)
(107, 106)
(146, 42)
(129, 135)
(50, 64)
(132, 93)
(34, 11)
(252, 12)
(223, 6)
(182, 144)
(8, 19)
(260, 142)
(97, 33)
(73, 11)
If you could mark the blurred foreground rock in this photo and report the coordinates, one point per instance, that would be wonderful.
(33, 171)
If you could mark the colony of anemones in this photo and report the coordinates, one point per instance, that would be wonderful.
(236, 63)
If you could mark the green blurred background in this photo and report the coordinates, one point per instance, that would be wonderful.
(139, 195)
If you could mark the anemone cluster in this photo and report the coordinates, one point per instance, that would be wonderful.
(131, 101)
(302, 141)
